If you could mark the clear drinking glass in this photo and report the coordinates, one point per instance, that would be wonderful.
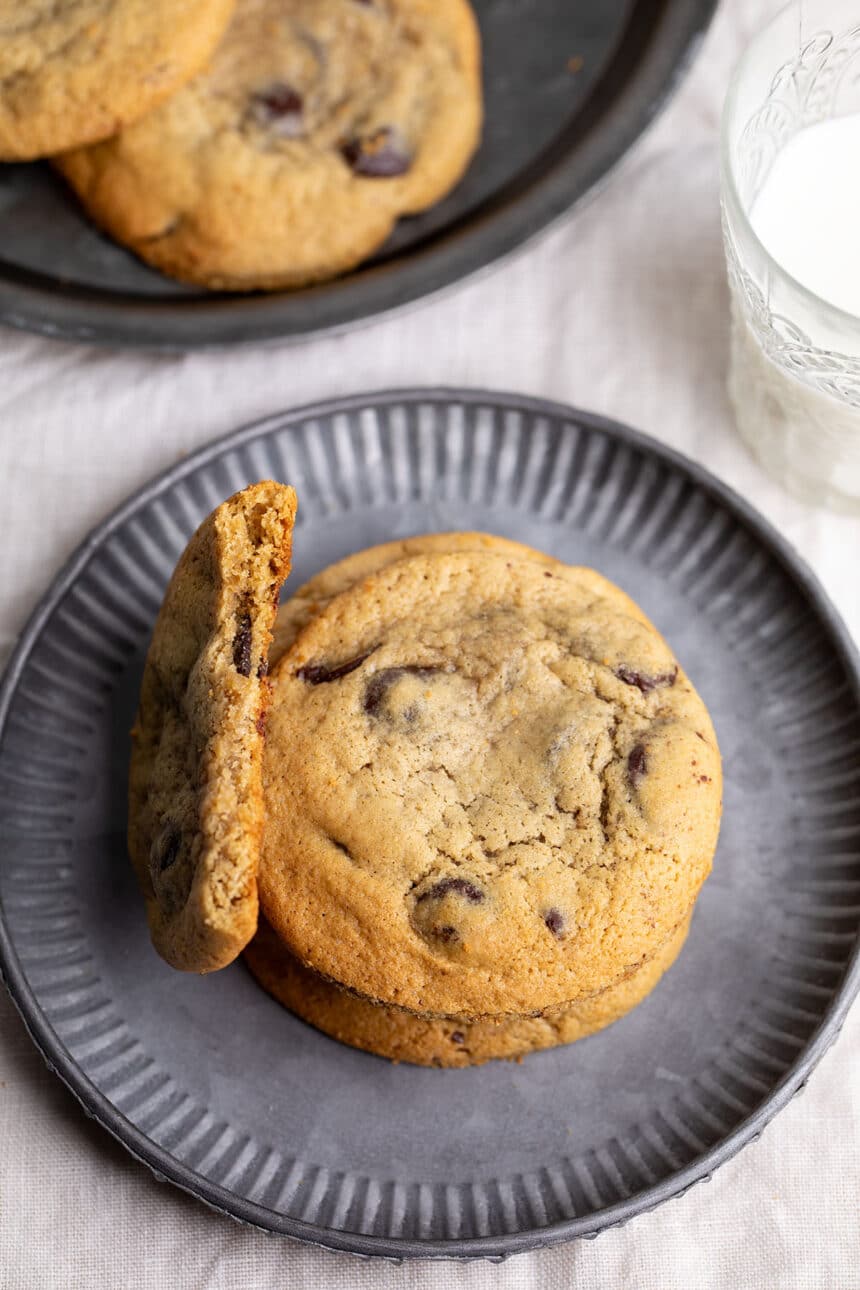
(794, 377)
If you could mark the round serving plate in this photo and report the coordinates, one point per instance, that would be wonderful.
(568, 89)
(221, 1091)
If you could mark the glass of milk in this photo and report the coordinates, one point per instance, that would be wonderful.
(791, 224)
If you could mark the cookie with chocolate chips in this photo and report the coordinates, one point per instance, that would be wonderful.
(426, 1041)
(195, 785)
(316, 126)
(75, 72)
(490, 788)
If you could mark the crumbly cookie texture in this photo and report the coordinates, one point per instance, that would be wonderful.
(490, 789)
(425, 1041)
(317, 124)
(76, 71)
(195, 785)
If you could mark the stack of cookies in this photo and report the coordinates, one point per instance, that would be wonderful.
(245, 144)
(474, 799)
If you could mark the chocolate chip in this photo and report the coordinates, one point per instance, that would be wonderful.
(460, 886)
(278, 108)
(242, 646)
(643, 681)
(165, 849)
(637, 764)
(444, 933)
(381, 155)
(261, 725)
(457, 1037)
(381, 682)
(321, 673)
(554, 920)
(263, 669)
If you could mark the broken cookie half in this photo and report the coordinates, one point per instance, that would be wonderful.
(195, 786)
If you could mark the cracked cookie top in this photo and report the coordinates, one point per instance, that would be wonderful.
(489, 787)
(313, 596)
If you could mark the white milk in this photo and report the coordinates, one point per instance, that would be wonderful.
(808, 211)
(807, 215)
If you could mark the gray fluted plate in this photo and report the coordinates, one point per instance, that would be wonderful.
(551, 133)
(217, 1088)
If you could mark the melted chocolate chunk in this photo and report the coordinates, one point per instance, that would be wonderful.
(457, 1037)
(643, 681)
(381, 682)
(321, 673)
(637, 764)
(445, 933)
(381, 155)
(242, 646)
(278, 108)
(165, 850)
(554, 920)
(460, 886)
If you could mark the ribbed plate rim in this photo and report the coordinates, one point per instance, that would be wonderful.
(157, 1159)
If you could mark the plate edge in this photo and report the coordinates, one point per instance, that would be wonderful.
(60, 1061)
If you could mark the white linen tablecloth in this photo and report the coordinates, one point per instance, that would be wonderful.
(621, 309)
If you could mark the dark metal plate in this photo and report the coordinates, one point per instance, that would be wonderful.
(220, 1090)
(551, 134)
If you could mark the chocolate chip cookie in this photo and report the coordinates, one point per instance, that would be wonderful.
(195, 787)
(490, 788)
(425, 1041)
(307, 601)
(316, 126)
(77, 71)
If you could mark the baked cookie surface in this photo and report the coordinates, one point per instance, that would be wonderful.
(425, 1041)
(195, 782)
(489, 787)
(317, 124)
(75, 71)
(313, 596)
